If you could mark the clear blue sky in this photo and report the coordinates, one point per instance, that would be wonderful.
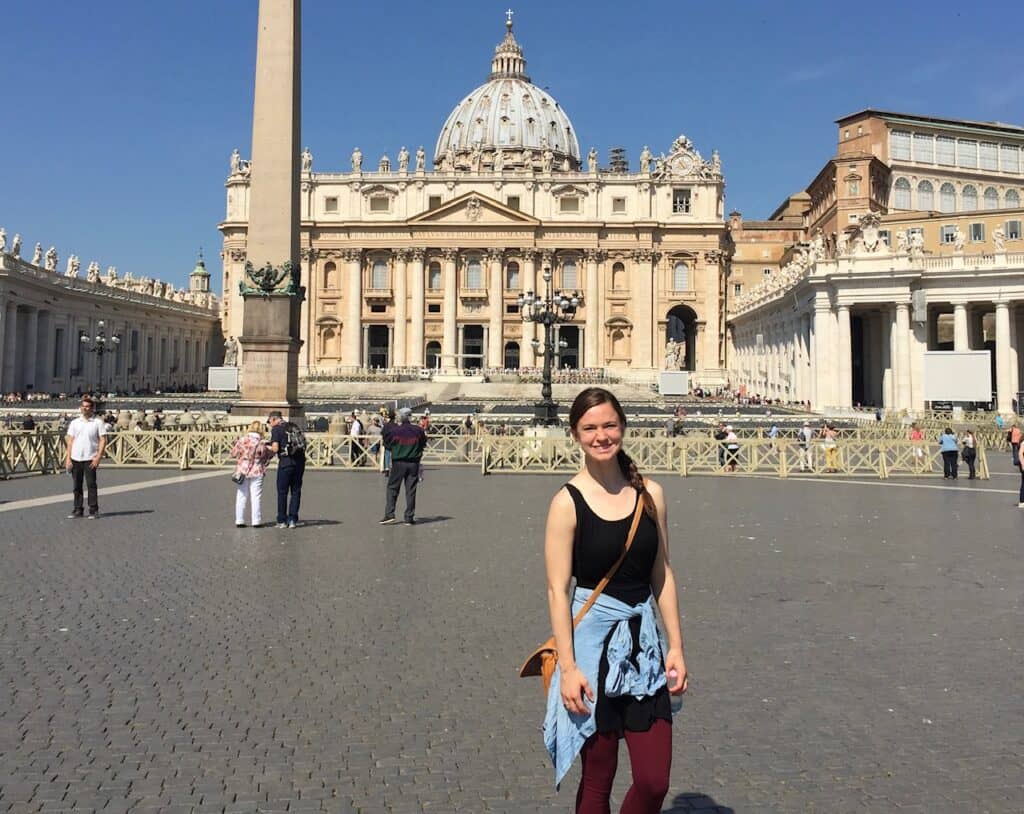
(119, 116)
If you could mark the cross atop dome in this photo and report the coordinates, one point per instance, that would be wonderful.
(508, 19)
(508, 62)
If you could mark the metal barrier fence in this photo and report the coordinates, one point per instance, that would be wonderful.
(42, 452)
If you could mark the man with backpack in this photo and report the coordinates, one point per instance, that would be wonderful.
(288, 442)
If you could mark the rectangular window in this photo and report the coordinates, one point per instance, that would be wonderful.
(618, 206)
(569, 274)
(924, 148)
(512, 277)
(766, 273)
(330, 205)
(378, 309)
(379, 203)
(977, 232)
(434, 278)
(474, 275)
(569, 204)
(512, 308)
(433, 202)
(1013, 230)
(967, 152)
(885, 236)
(379, 275)
(989, 156)
(681, 201)
(945, 150)
(899, 144)
(853, 217)
(513, 202)
(58, 354)
(1009, 158)
(737, 289)
(434, 308)
(948, 234)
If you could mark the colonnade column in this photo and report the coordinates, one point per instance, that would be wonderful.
(28, 356)
(902, 328)
(44, 353)
(398, 358)
(1004, 400)
(418, 307)
(4, 319)
(845, 352)
(591, 300)
(529, 284)
(10, 348)
(353, 329)
(496, 305)
(822, 363)
(642, 303)
(450, 284)
(960, 340)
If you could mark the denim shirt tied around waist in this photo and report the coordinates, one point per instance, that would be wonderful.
(565, 733)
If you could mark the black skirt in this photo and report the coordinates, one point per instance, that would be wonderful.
(626, 713)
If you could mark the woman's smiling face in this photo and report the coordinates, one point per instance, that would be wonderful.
(599, 432)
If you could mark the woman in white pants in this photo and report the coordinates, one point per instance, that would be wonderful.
(251, 454)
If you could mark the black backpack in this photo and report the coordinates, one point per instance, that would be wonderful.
(294, 440)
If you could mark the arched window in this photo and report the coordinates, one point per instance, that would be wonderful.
(512, 277)
(433, 357)
(991, 198)
(947, 198)
(925, 196)
(511, 356)
(618, 277)
(474, 274)
(379, 275)
(680, 277)
(901, 194)
(1012, 199)
(569, 273)
(434, 276)
(330, 279)
(969, 200)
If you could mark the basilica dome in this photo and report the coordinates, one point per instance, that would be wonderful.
(507, 115)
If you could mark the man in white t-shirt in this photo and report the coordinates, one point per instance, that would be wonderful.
(86, 441)
(356, 445)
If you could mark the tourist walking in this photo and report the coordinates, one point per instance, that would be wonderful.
(86, 442)
(613, 678)
(831, 447)
(917, 439)
(719, 435)
(969, 452)
(803, 444)
(251, 454)
(406, 441)
(950, 450)
(288, 443)
(1013, 437)
(1020, 465)
(355, 431)
(732, 448)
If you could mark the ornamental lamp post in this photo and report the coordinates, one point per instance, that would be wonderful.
(101, 346)
(547, 309)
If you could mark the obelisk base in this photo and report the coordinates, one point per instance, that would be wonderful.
(270, 358)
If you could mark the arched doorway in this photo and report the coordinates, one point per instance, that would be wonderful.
(681, 328)
(511, 356)
(433, 355)
(569, 355)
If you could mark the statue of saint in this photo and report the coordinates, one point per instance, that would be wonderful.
(476, 157)
(592, 161)
(357, 160)
(547, 161)
(16, 246)
(92, 274)
(565, 165)
(448, 165)
(37, 254)
(902, 244)
(111, 277)
(307, 160)
(421, 159)
(403, 160)
(842, 243)
(528, 159)
(958, 239)
(999, 239)
(645, 160)
(716, 162)
(51, 259)
(230, 352)
(236, 162)
(499, 159)
(3, 239)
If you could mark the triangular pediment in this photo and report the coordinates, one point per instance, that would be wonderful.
(474, 209)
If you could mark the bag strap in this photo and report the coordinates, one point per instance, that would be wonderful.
(611, 571)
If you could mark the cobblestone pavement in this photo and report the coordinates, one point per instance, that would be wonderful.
(854, 646)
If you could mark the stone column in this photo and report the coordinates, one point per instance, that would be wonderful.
(418, 315)
(28, 355)
(902, 328)
(460, 342)
(1004, 398)
(44, 355)
(450, 284)
(591, 298)
(845, 353)
(487, 361)
(526, 354)
(398, 336)
(960, 340)
(885, 357)
(822, 352)
(642, 304)
(352, 331)
(364, 360)
(496, 304)
(6, 317)
(10, 370)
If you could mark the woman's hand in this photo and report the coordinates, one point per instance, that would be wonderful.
(574, 686)
(674, 661)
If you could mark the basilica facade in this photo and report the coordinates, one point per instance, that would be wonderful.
(409, 266)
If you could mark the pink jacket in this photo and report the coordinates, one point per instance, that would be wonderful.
(251, 454)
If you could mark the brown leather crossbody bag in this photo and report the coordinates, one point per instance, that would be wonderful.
(543, 660)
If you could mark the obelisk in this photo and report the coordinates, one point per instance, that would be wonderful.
(271, 289)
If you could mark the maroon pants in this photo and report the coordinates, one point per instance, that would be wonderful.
(650, 754)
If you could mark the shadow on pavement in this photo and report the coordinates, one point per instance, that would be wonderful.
(422, 521)
(693, 802)
(126, 513)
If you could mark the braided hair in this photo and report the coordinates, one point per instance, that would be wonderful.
(594, 397)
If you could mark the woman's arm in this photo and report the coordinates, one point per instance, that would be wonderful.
(663, 584)
(558, 541)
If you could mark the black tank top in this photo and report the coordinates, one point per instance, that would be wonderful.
(598, 544)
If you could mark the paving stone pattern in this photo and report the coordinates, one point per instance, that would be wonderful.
(855, 648)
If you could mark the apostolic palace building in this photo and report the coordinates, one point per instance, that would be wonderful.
(417, 261)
